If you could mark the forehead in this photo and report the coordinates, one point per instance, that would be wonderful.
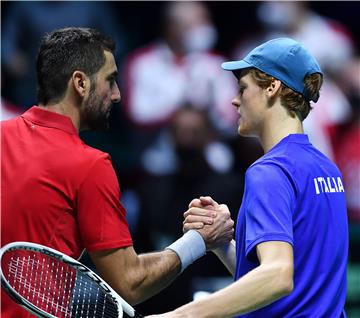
(245, 78)
(109, 65)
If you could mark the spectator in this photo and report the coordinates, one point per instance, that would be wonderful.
(179, 68)
(188, 161)
(190, 132)
(347, 143)
(8, 110)
(320, 34)
(23, 27)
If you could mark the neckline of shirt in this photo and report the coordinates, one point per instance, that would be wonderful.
(296, 138)
(50, 119)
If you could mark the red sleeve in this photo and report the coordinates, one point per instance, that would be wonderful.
(101, 216)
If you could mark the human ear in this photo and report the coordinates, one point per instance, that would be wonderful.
(80, 82)
(273, 89)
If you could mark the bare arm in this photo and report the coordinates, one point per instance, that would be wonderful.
(227, 255)
(271, 280)
(137, 277)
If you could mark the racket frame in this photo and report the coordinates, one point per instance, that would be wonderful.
(121, 303)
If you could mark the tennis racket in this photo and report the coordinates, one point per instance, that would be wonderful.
(49, 283)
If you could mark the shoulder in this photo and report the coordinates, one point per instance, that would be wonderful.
(280, 159)
(272, 171)
(94, 167)
(91, 155)
(206, 59)
(146, 53)
(144, 63)
(269, 184)
(9, 122)
(11, 127)
(263, 171)
(289, 156)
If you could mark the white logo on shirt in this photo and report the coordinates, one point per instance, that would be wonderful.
(328, 185)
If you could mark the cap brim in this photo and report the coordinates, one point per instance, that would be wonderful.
(235, 65)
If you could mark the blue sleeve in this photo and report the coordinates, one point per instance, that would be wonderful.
(269, 204)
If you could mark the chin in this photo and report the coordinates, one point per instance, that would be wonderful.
(247, 133)
(242, 131)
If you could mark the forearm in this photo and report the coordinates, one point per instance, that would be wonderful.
(160, 269)
(154, 272)
(136, 277)
(227, 255)
(260, 287)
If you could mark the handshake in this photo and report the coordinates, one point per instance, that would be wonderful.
(212, 220)
(214, 224)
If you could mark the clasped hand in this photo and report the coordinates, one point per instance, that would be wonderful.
(212, 220)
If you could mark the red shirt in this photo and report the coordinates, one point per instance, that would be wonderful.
(56, 190)
(347, 151)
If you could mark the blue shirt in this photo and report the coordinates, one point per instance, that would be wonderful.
(295, 194)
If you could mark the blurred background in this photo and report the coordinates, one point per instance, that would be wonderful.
(173, 136)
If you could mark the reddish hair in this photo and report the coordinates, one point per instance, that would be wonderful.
(293, 101)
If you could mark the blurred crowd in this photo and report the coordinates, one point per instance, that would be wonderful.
(174, 136)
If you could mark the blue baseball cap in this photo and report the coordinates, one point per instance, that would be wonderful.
(283, 58)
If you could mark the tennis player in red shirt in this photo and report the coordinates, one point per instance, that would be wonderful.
(59, 192)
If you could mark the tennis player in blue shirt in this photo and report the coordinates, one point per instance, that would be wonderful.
(290, 255)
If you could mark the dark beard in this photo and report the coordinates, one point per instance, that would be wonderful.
(95, 117)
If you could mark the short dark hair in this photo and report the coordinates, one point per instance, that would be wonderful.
(64, 51)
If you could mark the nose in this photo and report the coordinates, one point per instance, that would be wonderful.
(236, 102)
(115, 96)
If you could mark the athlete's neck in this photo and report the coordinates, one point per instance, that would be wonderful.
(65, 109)
(275, 129)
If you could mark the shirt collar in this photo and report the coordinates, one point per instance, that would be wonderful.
(43, 117)
(298, 138)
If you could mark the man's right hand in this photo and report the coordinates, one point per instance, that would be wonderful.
(212, 220)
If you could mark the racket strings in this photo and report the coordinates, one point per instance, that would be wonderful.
(41, 283)
(58, 288)
(91, 301)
